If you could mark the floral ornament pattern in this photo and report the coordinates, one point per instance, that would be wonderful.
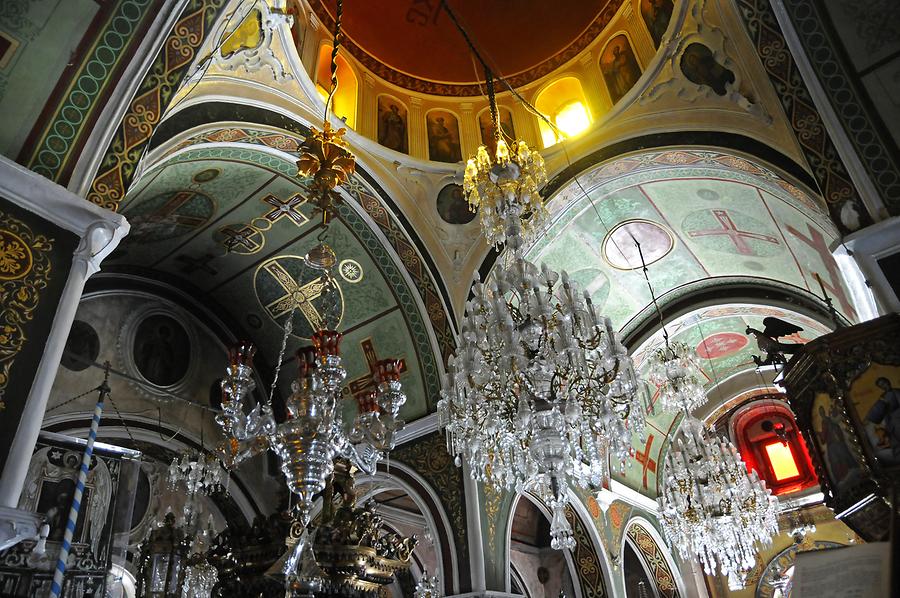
(24, 273)
(653, 557)
(15, 257)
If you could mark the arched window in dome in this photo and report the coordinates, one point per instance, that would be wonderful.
(563, 102)
(344, 99)
(770, 443)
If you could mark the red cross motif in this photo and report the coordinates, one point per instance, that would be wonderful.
(167, 213)
(644, 459)
(286, 208)
(365, 384)
(734, 234)
(817, 242)
(721, 344)
(241, 238)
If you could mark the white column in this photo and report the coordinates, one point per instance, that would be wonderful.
(100, 231)
(418, 134)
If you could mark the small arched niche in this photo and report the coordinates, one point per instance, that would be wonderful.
(345, 97)
(564, 104)
(545, 572)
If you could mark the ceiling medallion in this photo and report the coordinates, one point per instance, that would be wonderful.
(540, 393)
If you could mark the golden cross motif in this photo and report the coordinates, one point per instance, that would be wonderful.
(296, 296)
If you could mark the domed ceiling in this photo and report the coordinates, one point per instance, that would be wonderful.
(415, 44)
(224, 215)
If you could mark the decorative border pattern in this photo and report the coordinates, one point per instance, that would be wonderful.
(876, 149)
(59, 134)
(24, 272)
(416, 84)
(151, 101)
(587, 563)
(655, 560)
(818, 148)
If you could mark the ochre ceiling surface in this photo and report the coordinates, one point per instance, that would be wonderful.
(418, 38)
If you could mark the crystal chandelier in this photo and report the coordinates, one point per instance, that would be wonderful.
(673, 370)
(540, 392)
(428, 586)
(712, 507)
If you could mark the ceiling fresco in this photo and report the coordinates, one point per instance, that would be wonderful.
(699, 216)
(231, 220)
(702, 218)
(423, 47)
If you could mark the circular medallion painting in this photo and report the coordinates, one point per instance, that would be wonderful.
(285, 283)
(161, 350)
(452, 205)
(620, 250)
(82, 347)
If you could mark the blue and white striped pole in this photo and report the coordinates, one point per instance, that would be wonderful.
(59, 574)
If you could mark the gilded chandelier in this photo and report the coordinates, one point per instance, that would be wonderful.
(540, 393)
(712, 507)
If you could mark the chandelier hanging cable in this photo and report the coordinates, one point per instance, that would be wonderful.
(672, 368)
(540, 393)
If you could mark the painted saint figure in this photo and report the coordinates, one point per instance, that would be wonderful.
(887, 411)
(838, 458)
(620, 67)
(392, 127)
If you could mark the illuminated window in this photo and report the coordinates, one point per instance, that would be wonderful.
(563, 102)
(770, 443)
(781, 460)
(344, 99)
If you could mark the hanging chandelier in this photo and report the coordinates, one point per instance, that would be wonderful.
(712, 508)
(540, 393)
(673, 370)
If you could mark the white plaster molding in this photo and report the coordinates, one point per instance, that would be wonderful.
(262, 56)
(417, 429)
(17, 525)
(100, 232)
(867, 192)
(866, 247)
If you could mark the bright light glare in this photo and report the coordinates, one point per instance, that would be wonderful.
(573, 119)
(782, 460)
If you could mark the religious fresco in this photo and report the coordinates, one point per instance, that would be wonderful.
(700, 66)
(161, 350)
(264, 225)
(443, 136)
(486, 127)
(875, 397)
(393, 128)
(82, 347)
(656, 15)
(700, 217)
(833, 439)
(452, 205)
(619, 66)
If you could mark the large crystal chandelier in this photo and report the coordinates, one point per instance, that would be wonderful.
(712, 507)
(540, 392)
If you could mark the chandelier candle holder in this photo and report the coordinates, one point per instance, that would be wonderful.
(712, 508)
(540, 393)
(673, 370)
(313, 433)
